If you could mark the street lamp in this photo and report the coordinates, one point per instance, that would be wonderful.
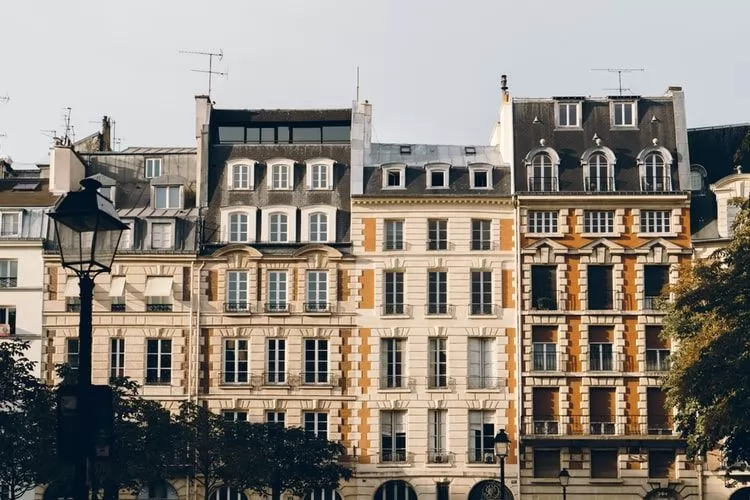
(87, 232)
(564, 481)
(501, 450)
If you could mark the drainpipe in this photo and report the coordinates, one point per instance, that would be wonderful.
(519, 337)
(699, 469)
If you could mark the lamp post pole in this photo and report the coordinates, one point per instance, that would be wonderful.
(502, 443)
(502, 477)
(85, 341)
(564, 477)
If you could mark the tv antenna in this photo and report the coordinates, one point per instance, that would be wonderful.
(4, 98)
(66, 140)
(619, 72)
(219, 55)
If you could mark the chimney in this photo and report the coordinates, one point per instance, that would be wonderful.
(106, 140)
(504, 87)
(65, 170)
(203, 107)
(361, 138)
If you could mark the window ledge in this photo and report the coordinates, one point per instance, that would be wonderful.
(482, 465)
(395, 316)
(623, 127)
(484, 316)
(235, 385)
(433, 465)
(543, 235)
(438, 316)
(389, 465)
(656, 235)
(605, 480)
(560, 128)
(601, 235)
(397, 390)
(393, 188)
(241, 189)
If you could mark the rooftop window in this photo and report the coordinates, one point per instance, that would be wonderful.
(284, 134)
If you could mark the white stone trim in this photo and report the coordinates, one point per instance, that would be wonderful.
(328, 163)
(289, 165)
(252, 217)
(480, 167)
(306, 212)
(265, 227)
(437, 167)
(229, 169)
(393, 167)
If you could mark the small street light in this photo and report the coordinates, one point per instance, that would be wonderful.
(502, 443)
(564, 481)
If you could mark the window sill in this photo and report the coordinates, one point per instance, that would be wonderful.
(327, 188)
(396, 390)
(395, 316)
(615, 128)
(439, 389)
(393, 188)
(545, 480)
(280, 188)
(606, 480)
(240, 189)
(484, 316)
(482, 465)
(564, 128)
(656, 235)
(438, 316)
(435, 465)
(235, 385)
(600, 235)
(544, 235)
(157, 384)
(386, 465)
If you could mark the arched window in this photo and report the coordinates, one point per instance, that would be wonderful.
(541, 175)
(227, 493)
(281, 176)
(279, 228)
(395, 490)
(157, 490)
(697, 177)
(318, 227)
(655, 175)
(598, 175)
(238, 227)
(241, 176)
(323, 495)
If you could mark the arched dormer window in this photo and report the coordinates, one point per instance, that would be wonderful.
(541, 169)
(280, 174)
(655, 168)
(318, 224)
(598, 169)
(241, 174)
(697, 178)
(238, 224)
(279, 224)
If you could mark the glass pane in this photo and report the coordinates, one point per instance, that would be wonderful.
(267, 134)
(307, 134)
(231, 134)
(283, 134)
(336, 134)
(253, 135)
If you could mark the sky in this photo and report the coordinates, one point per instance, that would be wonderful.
(430, 68)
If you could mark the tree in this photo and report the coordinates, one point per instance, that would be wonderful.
(26, 422)
(709, 379)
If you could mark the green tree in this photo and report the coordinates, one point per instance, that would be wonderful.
(709, 379)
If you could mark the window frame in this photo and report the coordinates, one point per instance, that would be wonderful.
(620, 115)
(8, 273)
(316, 290)
(437, 292)
(546, 220)
(73, 352)
(439, 229)
(392, 363)
(116, 357)
(437, 435)
(278, 230)
(152, 167)
(169, 197)
(315, 423)
(169, 231)
(276, 362)
(291, 215)
(277, 286)
(481, 236)
(285, 177)
(482, 288)
(542, 170)
(234, 279)
(162, 357)
(236, 166)
(437, 168)
(235, 375)
(481, 427)
(316, 361)
(388, 169)
(567, 104)
(605, 361)
(651, 220)
(593, 220)
(393, 235)
(437, 363)
(19, 223)
(393, 425)
(251, 213)
(487, 170)
(317, 170)
(307, 235)
(541, 351)
(9, 315)
(480, 371)
(393, 292)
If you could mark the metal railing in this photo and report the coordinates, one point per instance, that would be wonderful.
(483, 382)
(8, 281)
(657, 360)
(604, 300)
(237, 307)
(602, 362)
(439, 457)
(117, 308)
(441, 381)
(481, 456)
(158, 307)
(394, 456)
(653, 302)
(553, 302)
(599, 184)
(320, 378)
(277, 307)
(483, 309)
(394, 245)
(439, 309)
(317, 307)
(396, 382)
(544, 361)
(276, 378)
(542, 184)
(656, 184)
(482, 245)
(597, 425)
(439, 244)
(395, 309)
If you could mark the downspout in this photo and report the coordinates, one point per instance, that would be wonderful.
(519, 337)
(699, 469)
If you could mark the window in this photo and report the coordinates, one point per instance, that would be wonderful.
(437, 178)
(158, 361)
(480, 178)
(241, 176)
(543, 221)
(437, 363)
(655, 174)
(655, 221)
(316, 361)
(158, 294)
(167, 197)
(276, 417)
(603, 410)
(276, 361)
(157, 490)
(236, 361)
(280, 176)
(544, 348)
(394, 235)
(394, 293)
(316, 423)
(279, 229)
(116, 358)
(437, 294)
(481, 437)
(437, 234)
(659, 419)
(480, 235)
(657, 350)
(10, 224)
(544, 405)
(661, 463)
(546, 463)
(598, 221)
(604, 464)
(319, 176)
(393, 436)
(7, 320)
(72, 304)
(237, 292)
(277, 292)
(541, 174)
(231, 135)
(393, 177)
(161, 235)
(317, 291)
(72, 353)
(598, 176)
(238, 227)
(601, 339)
(392, 364)
(656, 279)
(544, 288)
(481, 293)
(697, 174)
(436, 436)
(567, 114)
(234, 415)
(395, 490)
(318, 227)
(153, 167)
(480, 364)
(443, 490)
(307, 134)
(600, 288)
(8, 273)
(624, 114)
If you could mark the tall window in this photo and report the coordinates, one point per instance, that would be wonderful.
(238, 224)
(392, 363)
(600, 288)
(152, 167)
(116, 358)
(599, 221)
(10, 224)
(544, 348)
(316, 361)
(317, 291)
(280, 177)
(394, 235)
(546, 463)
(480, 235)
(161, 235)
(393, 436)
(481, 293)
(279, 228)
(480, 364)
(481, 436)
(237, 291)
(319, 177)
(241, 176)
(656, 279)
(316, 423)
(276, 417)
(604, 463)
(8, 273)
(624, 114)
(167, 197)
(158, 361)
(236, 361)
(598, 177)
(657, 350)
(437, 296)
(655, 174)
(276, 361)
(567, 114)
(277, 292)
(436, 436)
(600, 348)
(437, 234)
(541, 174)
(544, 287)
(72, 352)
(318, 227)
(437, 363)
(655, 221)
(394, 292)
(543, 221)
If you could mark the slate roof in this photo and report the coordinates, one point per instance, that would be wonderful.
(139, 150)
(40, 197)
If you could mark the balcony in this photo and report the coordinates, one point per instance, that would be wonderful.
(653, 302)
(317, 378)
(657, 360)
(8, 281)
(117, 308)
(395, 309)
(277, 308)
(596, 426)
(599, 184)
(396, 382)
(438, 309)
(483, 309)
(277, 378)
(480, 382)
(656, 184)
(606, 300)
(317, 307)
(660, 425)
(553, 301)
(243, 307)
(482, 245)
(545, 361)
(158, 308)
(439, 244)
(440, 382)
(390, 246)
(481, 456)
(542, 184)
(439, 457)
(395, 456)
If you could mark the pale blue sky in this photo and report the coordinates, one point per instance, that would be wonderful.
(431, 68)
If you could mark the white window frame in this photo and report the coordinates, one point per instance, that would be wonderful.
(437, 441)
(278, 287)
(276, 369)
(319, 174)
(443, 168)
(479, 422)
(226, 228)
(437, 362)
(3, 230)
(643, 166)
(159, 357)
(547, 353)
(599, 222)
(393, 235)
(170, 232)
(548, 176)
(116, 357)
(315, 423)
(397, 168)
(152, 167)
(562, 110)
(591, 158)
(233, 166)
(280, 165)
(316, 290)
(306, 235)
(392, 363)
(474, 169)
(619, 115)
(238, 289)
(543, 222)
(394, 423)
(649, 220)
(240, 373)
(291, 216)
(171, 203)
(481, 365)
(275, 417)
(8, 273)
(316, 361)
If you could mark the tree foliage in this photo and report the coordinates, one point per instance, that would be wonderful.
(709, 379)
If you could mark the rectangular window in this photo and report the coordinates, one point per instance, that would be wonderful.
(437, 363)
(276, 417)
(436, 436)
(481, 372)
(394, 235)
(393, 178)
(393, 436)
(600, 288)
(158, 361)
(480, 179)
(302, 135)
(599, 221)
(236, 361)
(316, 423)
(336, 133)
(392, 364)
(624, 114)
(10, 224)
(443, 490)
(661, 463)
(604, 464)
(241, 176)
(659, 417)
(544, 288)
(655, 221)
(152, 167)
(656, 280)
(234, 415)
(543, 221)
(276, 361)
(277, 292)
(316, 361)
(481, 437)
(567, 114)
(238, 227)
(438, 179)
(437, 234)
(481, 293)
(600, 357)
(319, 178)
(545, 404)
(394, 292)
(480, 235)
(657, 350)
(237, 291)
(7, 320)
(437, 293)
(72, 352)
(317, 291)
(279, 176)
(161, 235)
(167, 197)
(546, 463)
(116, 358)
(603, 410)
(544, 348)
(278, 228)
(8, 273)
(231, 135)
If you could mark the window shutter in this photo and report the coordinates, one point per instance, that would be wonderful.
(475, 358)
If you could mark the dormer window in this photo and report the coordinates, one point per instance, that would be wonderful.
(279, 224)
(10, 224)
(241, 176)
(280, 174)
(319, 174)
(481, 177)
(697, 176)
(152, 168)
(279, 230)
(655, 174)
(318, 224)
(238, 224)
(394, 177)
(568, 114)
(437, 176)
(167, 197)
(624, 113)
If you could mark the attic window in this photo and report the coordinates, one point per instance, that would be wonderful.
(437, 177)
(405, 149)
(394, 177)
(480, 177)
(29, 186)
(470, 150)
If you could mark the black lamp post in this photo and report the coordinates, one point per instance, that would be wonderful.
(564, 481)
(87, 232)
(502, 443)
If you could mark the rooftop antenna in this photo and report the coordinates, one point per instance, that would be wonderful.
(619, 72)
(357, 83)
(66, 125)
(210, 70)
(4, 98)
